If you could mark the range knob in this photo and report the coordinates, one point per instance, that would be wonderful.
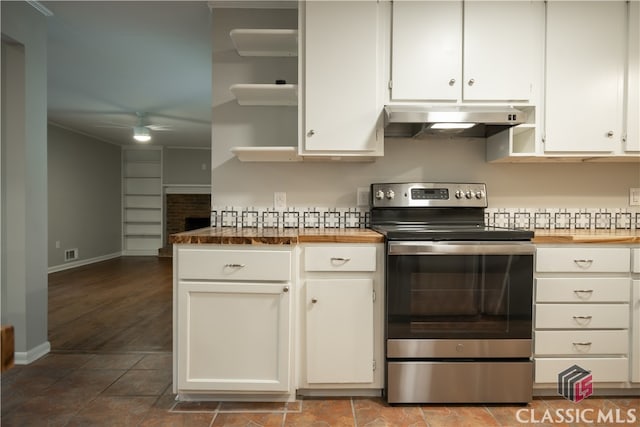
(379, 195)
(479, 194)
(470, 194)
(390, 194)
(459, 194)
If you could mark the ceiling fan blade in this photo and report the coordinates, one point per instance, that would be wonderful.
(113, 125)
(159, 127)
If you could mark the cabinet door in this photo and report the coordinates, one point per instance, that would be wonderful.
(342, 94)
(233, 337)
(586, 44)
(339, 339)
(499, 49)
(635, 331)
(633, 82)
(426, 59)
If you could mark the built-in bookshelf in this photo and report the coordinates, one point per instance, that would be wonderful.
(142, 216)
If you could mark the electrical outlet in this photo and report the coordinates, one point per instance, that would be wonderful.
(634, 197)
(363, 196)
(280, 200)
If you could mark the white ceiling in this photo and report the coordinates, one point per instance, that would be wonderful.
(108, 60)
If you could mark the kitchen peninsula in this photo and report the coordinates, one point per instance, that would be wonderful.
(260, 313)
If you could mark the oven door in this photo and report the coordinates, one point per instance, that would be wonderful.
(459, 290)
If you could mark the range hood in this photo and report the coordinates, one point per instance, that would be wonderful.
(414, 120)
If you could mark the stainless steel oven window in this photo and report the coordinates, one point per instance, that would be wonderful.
(459, 290)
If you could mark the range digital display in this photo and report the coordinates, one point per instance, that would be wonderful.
(429, 194)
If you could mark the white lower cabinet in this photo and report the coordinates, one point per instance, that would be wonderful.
(233, 321)
(234, 337)
(635, 329)
(339, 330)
(603, 369)
(341, 317)
(583, 313)
(635, 316)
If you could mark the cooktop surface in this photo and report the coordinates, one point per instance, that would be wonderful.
(451, 232)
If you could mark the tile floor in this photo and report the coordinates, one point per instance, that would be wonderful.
(134, 389)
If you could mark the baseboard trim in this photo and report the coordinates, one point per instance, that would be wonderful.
(140, 252)
(27, 357)
(82, 262)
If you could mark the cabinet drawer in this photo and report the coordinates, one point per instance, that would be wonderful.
(588, 289)
(340, 258)
(602, 369)
(582, 316)
(216, 264)
(577, 343)
(583, 260)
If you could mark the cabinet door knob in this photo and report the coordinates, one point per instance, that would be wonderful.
(314, 300)
(311, 132)
(610, 134)
(285, 289)
(471, 82)
(452, 82)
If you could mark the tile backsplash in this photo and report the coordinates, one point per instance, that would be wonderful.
(356, 217)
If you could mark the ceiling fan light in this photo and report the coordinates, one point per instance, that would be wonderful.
(141, 134)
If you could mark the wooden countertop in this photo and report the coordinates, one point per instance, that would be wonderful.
(268, 236)
(587, 236)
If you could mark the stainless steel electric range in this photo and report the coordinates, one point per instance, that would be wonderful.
(459, 296)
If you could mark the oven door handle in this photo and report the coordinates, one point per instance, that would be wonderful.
(460, 248)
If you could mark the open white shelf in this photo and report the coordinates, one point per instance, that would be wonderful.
(265, 94)
(267, 154)
(265, 42)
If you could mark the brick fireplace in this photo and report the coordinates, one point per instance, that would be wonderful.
(185, 212)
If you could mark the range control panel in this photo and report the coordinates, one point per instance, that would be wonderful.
(428, 194)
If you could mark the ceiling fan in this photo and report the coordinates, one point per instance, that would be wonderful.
(141, 131)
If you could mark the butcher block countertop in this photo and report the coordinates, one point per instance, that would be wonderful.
(587, 236)
(267, 236)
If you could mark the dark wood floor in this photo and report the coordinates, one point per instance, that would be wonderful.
(119, 305)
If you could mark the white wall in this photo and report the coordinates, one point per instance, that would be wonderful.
(556, 185)
(85, 199)
(24, 181)
(186, 166)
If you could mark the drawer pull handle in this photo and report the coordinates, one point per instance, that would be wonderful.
(582, 344)
(235, 265)
(580, 293)
(582, 320)
(583, 263)
(340, 259)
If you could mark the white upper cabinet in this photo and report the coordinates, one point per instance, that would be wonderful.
(426, 57)
(471, 51)
(585, 68)
(633, 80)
(341, 96)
